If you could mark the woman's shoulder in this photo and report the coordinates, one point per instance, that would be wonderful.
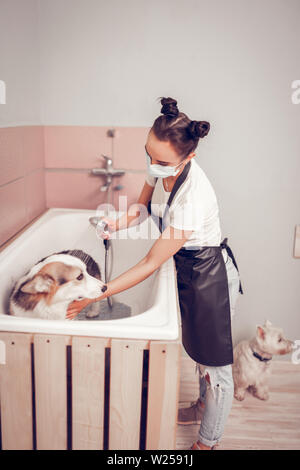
(205, 182)
(198, 175)
(197, 184)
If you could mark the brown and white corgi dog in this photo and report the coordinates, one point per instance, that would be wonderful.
(47, 289)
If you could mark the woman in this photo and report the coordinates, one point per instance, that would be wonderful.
(191, 233)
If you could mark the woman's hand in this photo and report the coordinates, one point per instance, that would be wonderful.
(112, 227)
(75, 307)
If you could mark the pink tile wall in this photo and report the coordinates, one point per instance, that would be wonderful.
(72, 151)
(82, 191)
(22, 181)
(49, 166)
(75, 146)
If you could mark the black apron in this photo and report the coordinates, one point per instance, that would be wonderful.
(203, 296)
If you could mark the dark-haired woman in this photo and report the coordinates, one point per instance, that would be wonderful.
(208, 281)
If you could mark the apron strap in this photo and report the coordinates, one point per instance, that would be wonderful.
(179, 181)
(228, 249)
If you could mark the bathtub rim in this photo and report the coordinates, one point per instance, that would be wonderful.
(134, 327)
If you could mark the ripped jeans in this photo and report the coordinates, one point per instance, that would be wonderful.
(216, 383)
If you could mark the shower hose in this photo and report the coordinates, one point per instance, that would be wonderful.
(108, 246)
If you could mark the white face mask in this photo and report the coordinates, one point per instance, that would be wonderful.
(161, 171)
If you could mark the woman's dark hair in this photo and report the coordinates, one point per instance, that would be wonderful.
(178, 129)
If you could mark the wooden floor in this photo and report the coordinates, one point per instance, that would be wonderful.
(252, 423)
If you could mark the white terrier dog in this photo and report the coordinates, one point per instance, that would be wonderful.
(252, 360)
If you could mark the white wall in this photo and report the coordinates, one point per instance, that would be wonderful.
(230, 62)
(19, 62)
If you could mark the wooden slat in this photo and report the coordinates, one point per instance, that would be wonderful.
(88, 369)
(125, 393)
(16, 392)
(50, 391)
(163, 393)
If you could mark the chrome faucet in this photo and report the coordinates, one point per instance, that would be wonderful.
(109, 172)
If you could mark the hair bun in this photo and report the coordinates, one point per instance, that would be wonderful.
(169, 107)
(199, 129)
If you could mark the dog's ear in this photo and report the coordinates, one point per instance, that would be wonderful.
(260, 332)
(39, 284)
(267, 323)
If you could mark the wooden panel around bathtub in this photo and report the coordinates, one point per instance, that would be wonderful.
(163, 390)
(88, 372)
(50, 364)
(125, 393)
(16, 392)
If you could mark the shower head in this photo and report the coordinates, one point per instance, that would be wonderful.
(100, 227)
(95, 221)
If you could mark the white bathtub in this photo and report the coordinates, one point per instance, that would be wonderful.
(154, 302)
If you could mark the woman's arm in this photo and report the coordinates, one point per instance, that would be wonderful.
(170, 241)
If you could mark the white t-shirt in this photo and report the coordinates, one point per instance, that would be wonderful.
(194, 207)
